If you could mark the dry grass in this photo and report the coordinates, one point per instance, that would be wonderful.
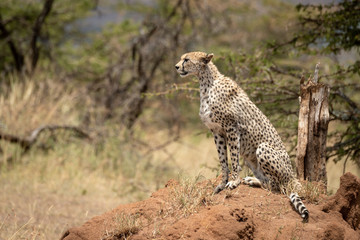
(188, 196)
(48, 190)
(124, 225)
(43, 203)
(25, 105)
(28, 104)
(312, 191)
(38, 187)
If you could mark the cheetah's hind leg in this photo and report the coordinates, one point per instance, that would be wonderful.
(252, 181)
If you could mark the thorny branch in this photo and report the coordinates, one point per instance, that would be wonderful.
(283, 72)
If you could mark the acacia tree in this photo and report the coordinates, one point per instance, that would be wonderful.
(30, 29)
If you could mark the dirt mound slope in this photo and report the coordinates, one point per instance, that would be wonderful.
(347, 200)
(183, 211)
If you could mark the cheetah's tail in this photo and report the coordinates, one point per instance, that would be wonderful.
(299, 206)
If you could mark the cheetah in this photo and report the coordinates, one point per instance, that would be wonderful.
(238, 124)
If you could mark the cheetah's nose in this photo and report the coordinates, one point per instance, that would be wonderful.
(177, 67)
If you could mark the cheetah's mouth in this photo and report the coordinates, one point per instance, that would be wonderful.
(184, 73)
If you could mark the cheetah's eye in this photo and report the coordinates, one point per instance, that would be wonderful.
(186, 59)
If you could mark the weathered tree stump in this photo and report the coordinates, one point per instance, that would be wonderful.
(312, 129)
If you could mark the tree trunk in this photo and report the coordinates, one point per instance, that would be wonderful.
(40, 20)
(312, 129)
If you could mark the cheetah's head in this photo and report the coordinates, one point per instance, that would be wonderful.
(191, 63)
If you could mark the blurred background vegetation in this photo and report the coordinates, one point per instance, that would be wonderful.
(92, 113)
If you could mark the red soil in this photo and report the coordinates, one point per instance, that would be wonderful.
(244, 213)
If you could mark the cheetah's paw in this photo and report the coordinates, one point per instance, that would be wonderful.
(251, 181)
(232, 184)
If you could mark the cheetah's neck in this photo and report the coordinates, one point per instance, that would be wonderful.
(207, 76)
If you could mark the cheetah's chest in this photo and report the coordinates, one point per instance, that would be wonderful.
(206, 115)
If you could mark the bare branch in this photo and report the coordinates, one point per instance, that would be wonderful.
(14, 139)
(283, 72)
(316, 73)
(351, 103)
(339, 145)
(27, 142)
(174, 88)
(35, 133)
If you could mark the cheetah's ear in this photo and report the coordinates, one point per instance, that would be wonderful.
(207, 58)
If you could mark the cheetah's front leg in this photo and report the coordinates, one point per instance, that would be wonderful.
(220, 142)
(234, 145)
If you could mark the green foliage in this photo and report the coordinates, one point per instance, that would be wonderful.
(92, 59)
(329, 28)
(18, 20)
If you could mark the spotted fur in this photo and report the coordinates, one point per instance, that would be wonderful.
(238, 125)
